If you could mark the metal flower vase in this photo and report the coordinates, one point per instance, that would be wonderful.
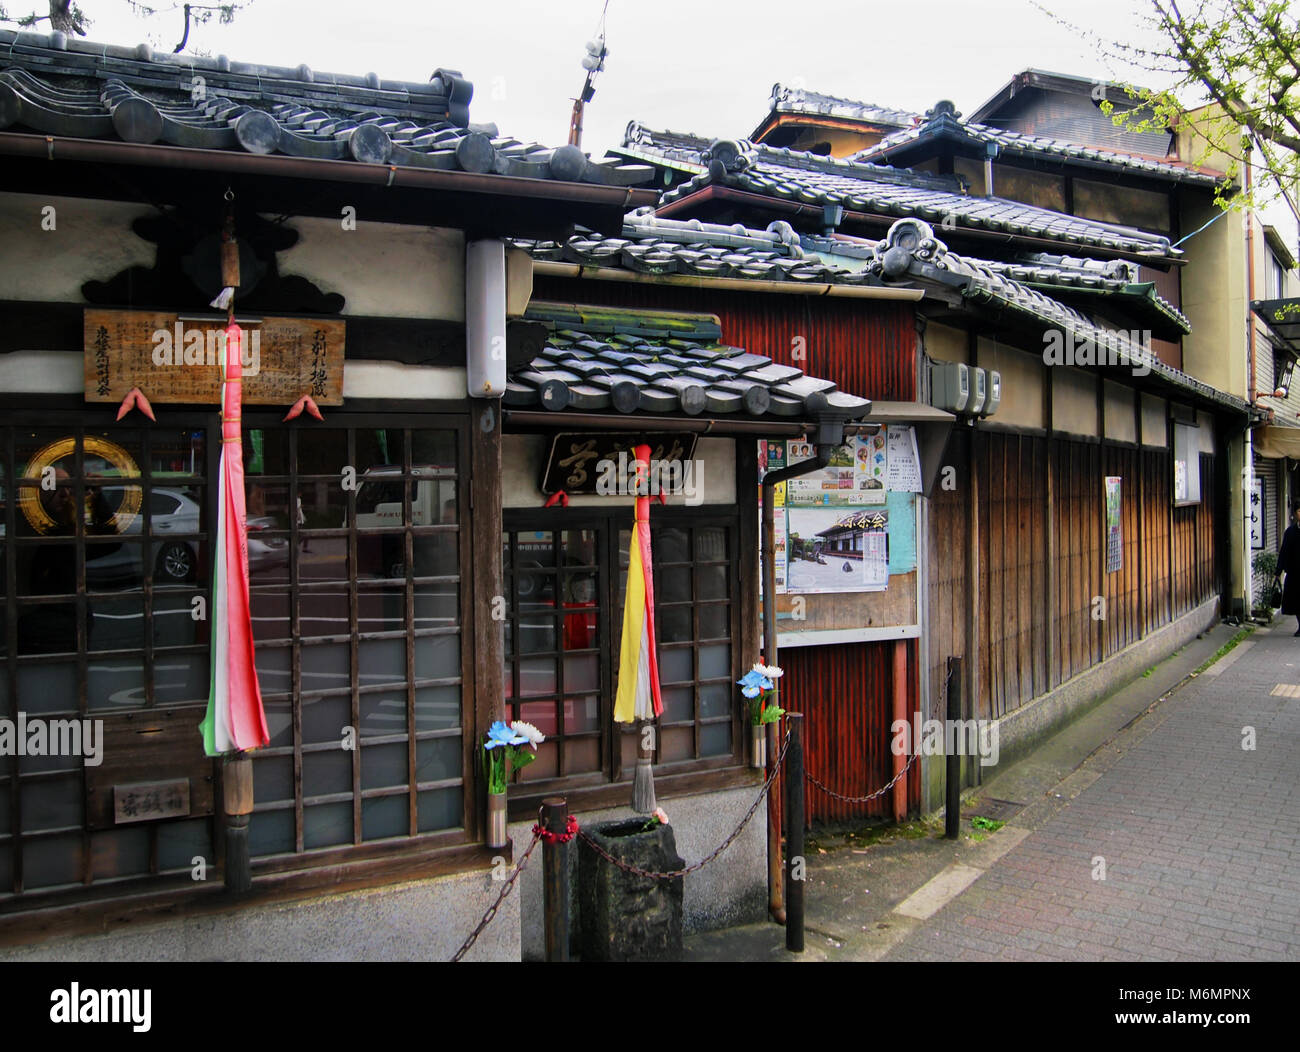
(758, 745)
(496, 833)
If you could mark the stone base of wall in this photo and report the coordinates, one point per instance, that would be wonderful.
(423, 920)
(1021, 730)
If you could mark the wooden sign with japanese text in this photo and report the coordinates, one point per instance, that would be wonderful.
(176, 358)
(574, 461)
(145, 801)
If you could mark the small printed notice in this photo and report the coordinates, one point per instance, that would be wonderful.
(1114, 535)
(875, 561)
(902, 461)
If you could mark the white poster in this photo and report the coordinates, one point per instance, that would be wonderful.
(903, 462)
(1255, 513)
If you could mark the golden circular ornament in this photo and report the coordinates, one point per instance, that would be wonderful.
(29, 497)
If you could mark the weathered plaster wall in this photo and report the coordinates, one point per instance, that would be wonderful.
(1022, 378)
(62, 372)
(1120, 418)
(1155, 414)
(91, 241)
(1074, 402)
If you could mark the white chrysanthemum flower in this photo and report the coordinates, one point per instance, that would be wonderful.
(527, 730)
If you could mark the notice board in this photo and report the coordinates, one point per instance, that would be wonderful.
(845, 538)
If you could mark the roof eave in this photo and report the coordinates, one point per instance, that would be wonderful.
(712, 191)
(543, 192)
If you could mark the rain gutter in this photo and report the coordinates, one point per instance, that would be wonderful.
(185, 158)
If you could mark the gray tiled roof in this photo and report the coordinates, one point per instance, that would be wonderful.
(654, 245)
(677, 149)
(788, 99)
(1073, 274)
(862, 187)
(943, 124)
(650, 245)
(72, 87)
(911, 252)
(601, 364)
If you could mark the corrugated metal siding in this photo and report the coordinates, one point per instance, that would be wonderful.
(868, 347)
(846, 695)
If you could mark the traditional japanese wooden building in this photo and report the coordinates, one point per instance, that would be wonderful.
(368, 216)
(1049, 598)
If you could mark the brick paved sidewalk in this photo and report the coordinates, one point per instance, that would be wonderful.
(1199, 837)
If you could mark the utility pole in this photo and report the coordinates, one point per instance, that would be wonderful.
(593, 62)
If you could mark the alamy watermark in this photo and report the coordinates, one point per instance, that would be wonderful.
(1105, 347)
(41, 737)
(205, 345)
(620, 477)
(946, 737)
(92, 1005)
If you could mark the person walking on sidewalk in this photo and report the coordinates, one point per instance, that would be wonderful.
(1288, 562)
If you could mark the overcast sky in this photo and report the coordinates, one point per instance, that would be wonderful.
(705, 66)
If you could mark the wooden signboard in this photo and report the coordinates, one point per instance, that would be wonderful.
(144, 801)
(574, 461)
(147, 757)
(176, 358)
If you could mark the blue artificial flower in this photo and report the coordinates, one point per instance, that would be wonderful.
(754, 678)
(501, 734)
(751, 692)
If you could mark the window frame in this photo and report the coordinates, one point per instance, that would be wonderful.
(468, 833)
(80, 421)
(370, 861)
(615, 776)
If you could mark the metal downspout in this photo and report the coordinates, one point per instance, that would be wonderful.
(775, 888)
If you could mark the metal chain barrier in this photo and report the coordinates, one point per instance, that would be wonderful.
(492, 910)
(673, 874)
(870, 796)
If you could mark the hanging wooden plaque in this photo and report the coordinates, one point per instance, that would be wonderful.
(176, 358)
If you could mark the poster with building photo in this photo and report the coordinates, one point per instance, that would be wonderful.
(836, 549)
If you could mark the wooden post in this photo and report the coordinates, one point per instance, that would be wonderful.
(555, 880)
(237, 789)
(952, 775)
(974, 592)
(900, 713)
(796, 865)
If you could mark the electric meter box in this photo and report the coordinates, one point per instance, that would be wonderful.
(978, 391)
(994, 393)
(949, 386)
